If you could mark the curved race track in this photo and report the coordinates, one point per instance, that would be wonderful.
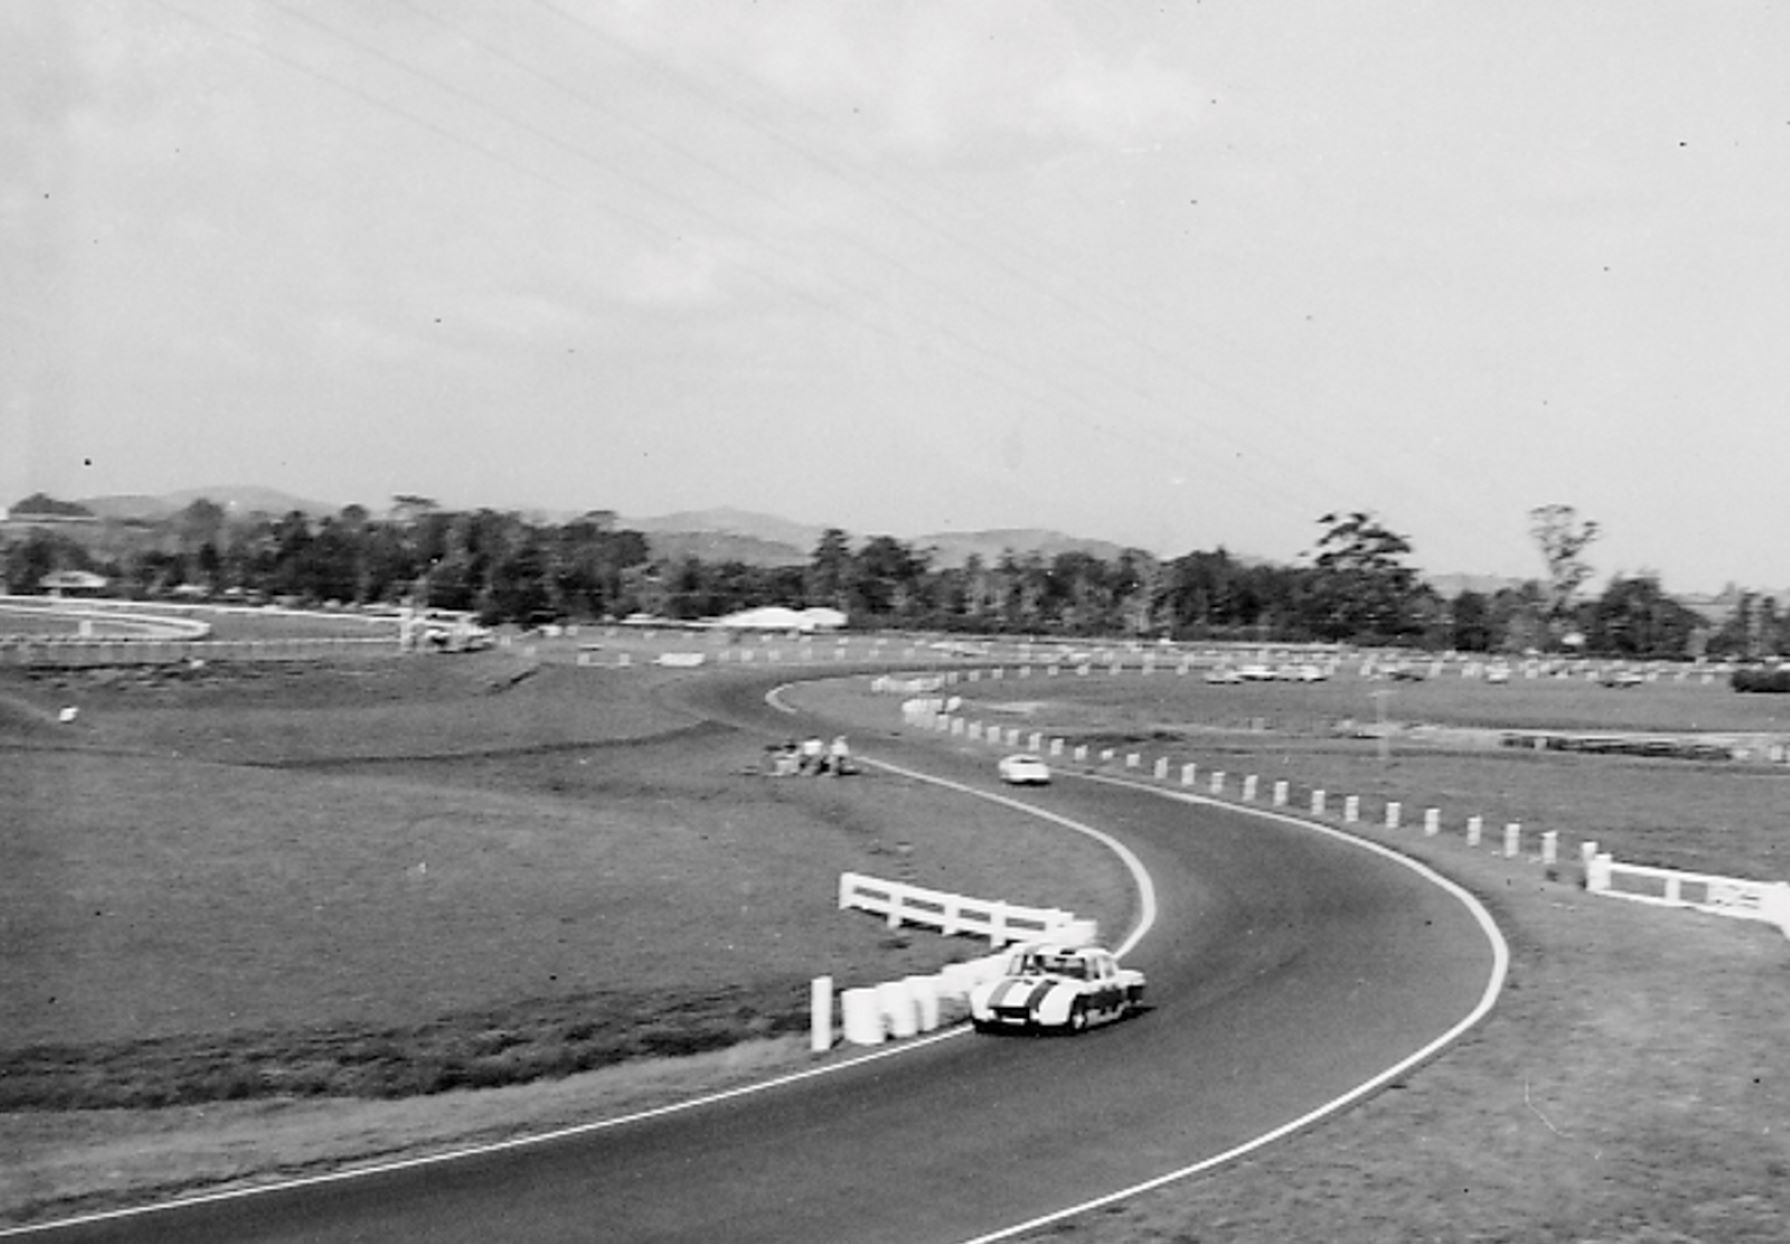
(1287, 969)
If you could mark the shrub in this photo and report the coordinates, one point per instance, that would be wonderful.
(1763, 681)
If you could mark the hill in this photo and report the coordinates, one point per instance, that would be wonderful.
(234, 498)
(954, 548)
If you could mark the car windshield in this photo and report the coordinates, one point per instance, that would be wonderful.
(1054, 965)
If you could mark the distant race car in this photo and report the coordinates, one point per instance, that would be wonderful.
(1223, 673)
(1497, 674)
(1047, 986)
(1304, 672)
(1406, 673)
(1022, 769)
(1256, 673)
(1621, 678)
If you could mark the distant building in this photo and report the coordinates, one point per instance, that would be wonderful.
(781, 619)
(76, 582)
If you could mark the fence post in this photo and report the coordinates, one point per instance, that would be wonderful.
(1249, 785)
(1217, 787)
(1161, 770)
(1597, 870)
(1132, 760)
(1550, 848)
(820, 1014)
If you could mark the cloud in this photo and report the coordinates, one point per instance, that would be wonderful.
(934, 80)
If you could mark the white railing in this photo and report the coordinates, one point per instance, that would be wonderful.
(1724, 896)
(952, 914)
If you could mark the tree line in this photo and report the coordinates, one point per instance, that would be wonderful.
(1357, 585)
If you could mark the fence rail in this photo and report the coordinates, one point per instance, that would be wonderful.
(84, 653)
(953, 914)
(1723, 896)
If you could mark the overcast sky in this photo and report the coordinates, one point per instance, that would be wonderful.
(1177, 275)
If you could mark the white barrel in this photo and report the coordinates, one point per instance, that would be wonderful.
(897, 1007)
(863, 1017)
(924, 990)
(955, 981)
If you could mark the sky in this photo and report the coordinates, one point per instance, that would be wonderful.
(1179, 276)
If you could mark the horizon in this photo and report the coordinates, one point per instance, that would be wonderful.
(911, 538)
(1184, 278)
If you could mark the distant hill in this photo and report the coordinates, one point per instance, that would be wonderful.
(725, 520)
(954, 548)
(727, 534)
(234, 498)
(723, 546)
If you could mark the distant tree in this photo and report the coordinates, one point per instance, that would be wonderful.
(1360, 586)
(38, 554)
(1471, 623)
(1635, 618)
(1562, 536)
(830, 570)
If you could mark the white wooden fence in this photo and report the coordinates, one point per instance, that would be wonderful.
(952, 914)
(1724, 896)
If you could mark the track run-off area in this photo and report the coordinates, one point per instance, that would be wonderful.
(1293, 971)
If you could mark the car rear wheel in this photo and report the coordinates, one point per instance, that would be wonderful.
(1078, 1016)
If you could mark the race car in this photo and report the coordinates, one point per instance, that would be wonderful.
(1048, 986)
(1021, 769)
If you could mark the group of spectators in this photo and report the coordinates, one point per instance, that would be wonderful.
(812, 757)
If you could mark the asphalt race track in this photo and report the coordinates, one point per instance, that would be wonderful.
(1287, 968)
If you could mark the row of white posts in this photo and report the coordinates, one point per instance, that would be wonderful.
(1731, 896)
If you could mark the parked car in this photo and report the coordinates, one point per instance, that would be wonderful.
(1049, 986)
(1303, 672)
(1023, 769)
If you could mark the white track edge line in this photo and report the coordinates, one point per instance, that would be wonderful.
(1494, 986)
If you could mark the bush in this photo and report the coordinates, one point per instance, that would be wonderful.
(1765, 681)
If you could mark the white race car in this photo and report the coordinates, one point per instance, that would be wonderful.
(1021, 769)
(1069, 988)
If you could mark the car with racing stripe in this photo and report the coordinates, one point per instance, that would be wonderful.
(1046, 986)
